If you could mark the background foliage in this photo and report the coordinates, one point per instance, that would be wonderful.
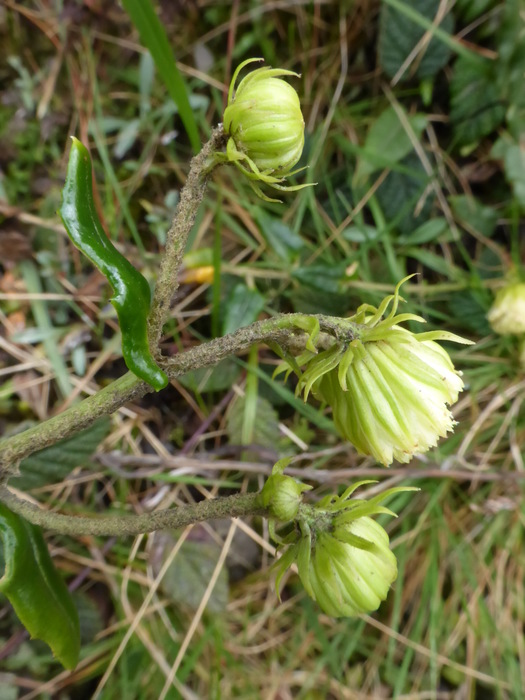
(415, 132)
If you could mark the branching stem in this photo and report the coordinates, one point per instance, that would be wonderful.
(235, 506)
(288, 331)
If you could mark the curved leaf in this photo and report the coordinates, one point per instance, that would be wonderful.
(36, 590)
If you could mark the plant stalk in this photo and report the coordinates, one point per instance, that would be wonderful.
(236, 506)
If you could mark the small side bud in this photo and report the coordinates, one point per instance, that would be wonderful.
(507, 313)
(282, 495)
(343, 556)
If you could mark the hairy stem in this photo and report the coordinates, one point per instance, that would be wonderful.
(282, 329)
(235, 506)
(177, 236)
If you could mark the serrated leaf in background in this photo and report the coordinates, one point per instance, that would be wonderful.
(469, 10)
(387, 142)
(476, 108)
(513, 156)
(400, 196)
(266, 425)
(468, 307)
(54, 463)
(398, 37)
(478, 217)
(187, 578)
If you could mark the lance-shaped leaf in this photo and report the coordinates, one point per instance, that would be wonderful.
(35, 589)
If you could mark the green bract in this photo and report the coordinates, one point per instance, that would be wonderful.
(507, 314)
(343, 556)
(266, 128)
(389, 388)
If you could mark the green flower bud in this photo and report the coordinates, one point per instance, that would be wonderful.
(389, 389)
(507, 314)
(282, 495)
(348, 580)
(343, 557)
(264, 121)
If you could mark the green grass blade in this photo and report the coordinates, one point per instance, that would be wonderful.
(144, 17)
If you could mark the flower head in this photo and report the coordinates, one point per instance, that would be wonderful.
(266, 128)
(507, 314)
(389, 388)
(343, 557)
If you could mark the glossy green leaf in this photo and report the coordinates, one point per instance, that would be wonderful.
(153, 36)
(36, 590)
(132, 295)
(388, 141)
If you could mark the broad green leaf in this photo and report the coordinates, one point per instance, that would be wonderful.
(361, 234)
(476, 108)
(433, 261)
(35, 589)
(404, 198)
(469, 10)
(470, 210)
(324, 277)
(279, 236)
(153, 36)
(399, 34)
(427, 232)
(54, 463)
(241, 307)
(513, 156)
(387, 142)
(310, 300)
(471, 311)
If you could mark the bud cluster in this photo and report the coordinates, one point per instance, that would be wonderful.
(342, 555)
